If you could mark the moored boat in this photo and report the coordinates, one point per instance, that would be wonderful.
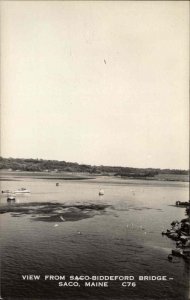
(101, 192)
(22, 191)
(11, 199)
(6, 192)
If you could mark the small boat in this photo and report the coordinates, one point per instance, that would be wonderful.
(101, 192)
(11, 198)
(57, 183)
(22, 191)
(182, 203)
(6, 192)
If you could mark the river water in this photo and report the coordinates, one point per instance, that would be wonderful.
(123, 238)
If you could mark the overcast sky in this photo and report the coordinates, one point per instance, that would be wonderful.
(96, 82)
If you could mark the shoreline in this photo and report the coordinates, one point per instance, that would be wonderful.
(7, 175)
(180, 232)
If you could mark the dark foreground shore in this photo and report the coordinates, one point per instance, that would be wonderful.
(180, 232)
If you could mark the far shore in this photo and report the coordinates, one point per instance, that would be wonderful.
(9, 175)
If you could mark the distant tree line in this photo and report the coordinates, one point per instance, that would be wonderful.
(39, 165)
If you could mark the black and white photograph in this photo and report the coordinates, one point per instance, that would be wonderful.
(94, 155)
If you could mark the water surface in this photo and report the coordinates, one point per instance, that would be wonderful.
(115, 234)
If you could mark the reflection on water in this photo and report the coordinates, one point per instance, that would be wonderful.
(69, 229)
